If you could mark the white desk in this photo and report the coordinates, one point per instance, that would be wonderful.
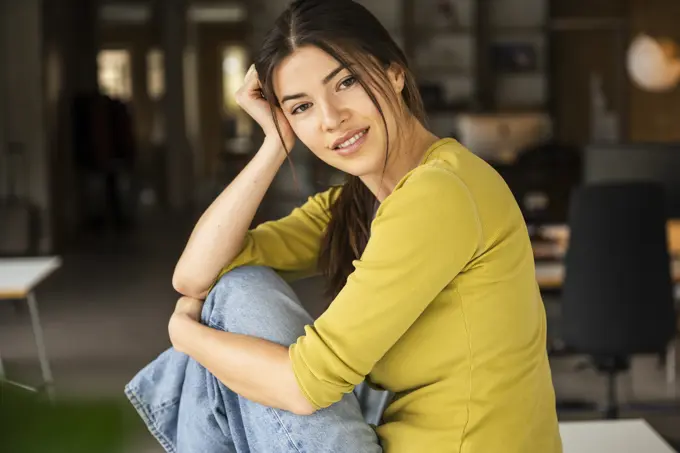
(19, 276)
(18, 279)
(615, 436)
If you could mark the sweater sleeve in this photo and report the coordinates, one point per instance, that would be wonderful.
(289, 245)
(423, 235)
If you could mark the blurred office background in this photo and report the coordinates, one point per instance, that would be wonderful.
(118, 126)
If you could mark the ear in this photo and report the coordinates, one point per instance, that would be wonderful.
(395, 74)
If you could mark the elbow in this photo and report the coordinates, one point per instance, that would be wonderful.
(297, 402)
(303, 408)
(186, 287)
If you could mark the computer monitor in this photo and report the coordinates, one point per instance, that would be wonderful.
(659, 162)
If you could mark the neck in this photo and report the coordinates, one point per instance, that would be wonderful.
(405, 156)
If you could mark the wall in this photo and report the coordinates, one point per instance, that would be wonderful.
(579, 53)
(69, 49)
(654, 117)
(21, 24)
(47, 54)
(3, 113)
(57, 88)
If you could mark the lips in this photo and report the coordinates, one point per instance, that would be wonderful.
(348, 136)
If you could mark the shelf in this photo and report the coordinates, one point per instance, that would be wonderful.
(518, 74)
(586, 23)
(519, 109)
(454, 30)
(471, 71)
(464, 109)
(446, 70)
(519, 30)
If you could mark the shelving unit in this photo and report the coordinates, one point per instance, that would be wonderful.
(441, 43)
(451, 46)
(518, 31)
(476, 35)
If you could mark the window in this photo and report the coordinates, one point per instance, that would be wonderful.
(233, 73)
(114, 73)
(155, 74)
(235, 63)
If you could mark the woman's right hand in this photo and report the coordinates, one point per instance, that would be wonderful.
(250, 98)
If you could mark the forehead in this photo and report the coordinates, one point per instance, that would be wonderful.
(301, 70)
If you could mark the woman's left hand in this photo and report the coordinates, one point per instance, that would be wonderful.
(186, 309)
(188, 306)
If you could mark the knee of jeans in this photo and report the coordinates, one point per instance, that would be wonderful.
(256, 301)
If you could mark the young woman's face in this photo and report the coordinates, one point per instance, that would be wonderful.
(331, 113)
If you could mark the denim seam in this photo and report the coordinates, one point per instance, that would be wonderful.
(163, 406)
(216, 325)
(148, 417)
(285, 430)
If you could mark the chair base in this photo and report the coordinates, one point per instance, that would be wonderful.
(611, 366)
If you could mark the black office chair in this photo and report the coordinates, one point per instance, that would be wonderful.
(618, 292)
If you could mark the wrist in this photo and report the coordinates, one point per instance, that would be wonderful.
(273, 143)
(273, 148)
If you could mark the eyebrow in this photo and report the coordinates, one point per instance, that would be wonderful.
(325, 81)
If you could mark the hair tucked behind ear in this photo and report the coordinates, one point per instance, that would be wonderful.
(354, 37)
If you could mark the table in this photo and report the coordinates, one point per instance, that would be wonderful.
(559, 235)
(550, 274)
(18, 279)
(612, 436)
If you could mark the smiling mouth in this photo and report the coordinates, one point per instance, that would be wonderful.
(350, 141)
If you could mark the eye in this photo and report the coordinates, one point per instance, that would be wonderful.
(300, 108)
(348, 82)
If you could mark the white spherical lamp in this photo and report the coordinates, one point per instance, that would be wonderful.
(653, 65)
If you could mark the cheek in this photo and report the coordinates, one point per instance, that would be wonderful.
(361, 104)
(306, 129)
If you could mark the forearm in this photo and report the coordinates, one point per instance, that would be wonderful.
(218, 235)
(257, 369)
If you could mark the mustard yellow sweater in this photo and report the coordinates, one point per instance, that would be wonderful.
(443, 309)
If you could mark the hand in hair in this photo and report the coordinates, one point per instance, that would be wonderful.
(251, 99)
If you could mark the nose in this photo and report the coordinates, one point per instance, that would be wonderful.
(332, 116)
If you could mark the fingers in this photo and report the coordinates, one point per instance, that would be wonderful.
(251, 86)
(189, 306)
(250, 75)
(252, 79)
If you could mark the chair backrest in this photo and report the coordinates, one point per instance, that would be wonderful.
(618, 292)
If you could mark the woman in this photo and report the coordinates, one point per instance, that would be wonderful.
(426, 254)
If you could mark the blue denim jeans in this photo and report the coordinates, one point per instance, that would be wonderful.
(189, 411)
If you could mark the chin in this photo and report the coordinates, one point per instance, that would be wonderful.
(370, 164)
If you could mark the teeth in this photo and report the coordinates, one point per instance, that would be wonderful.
(352, 140)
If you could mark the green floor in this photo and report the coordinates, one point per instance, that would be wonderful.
(29, 424)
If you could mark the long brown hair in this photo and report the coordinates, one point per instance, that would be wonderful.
(355, 38)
